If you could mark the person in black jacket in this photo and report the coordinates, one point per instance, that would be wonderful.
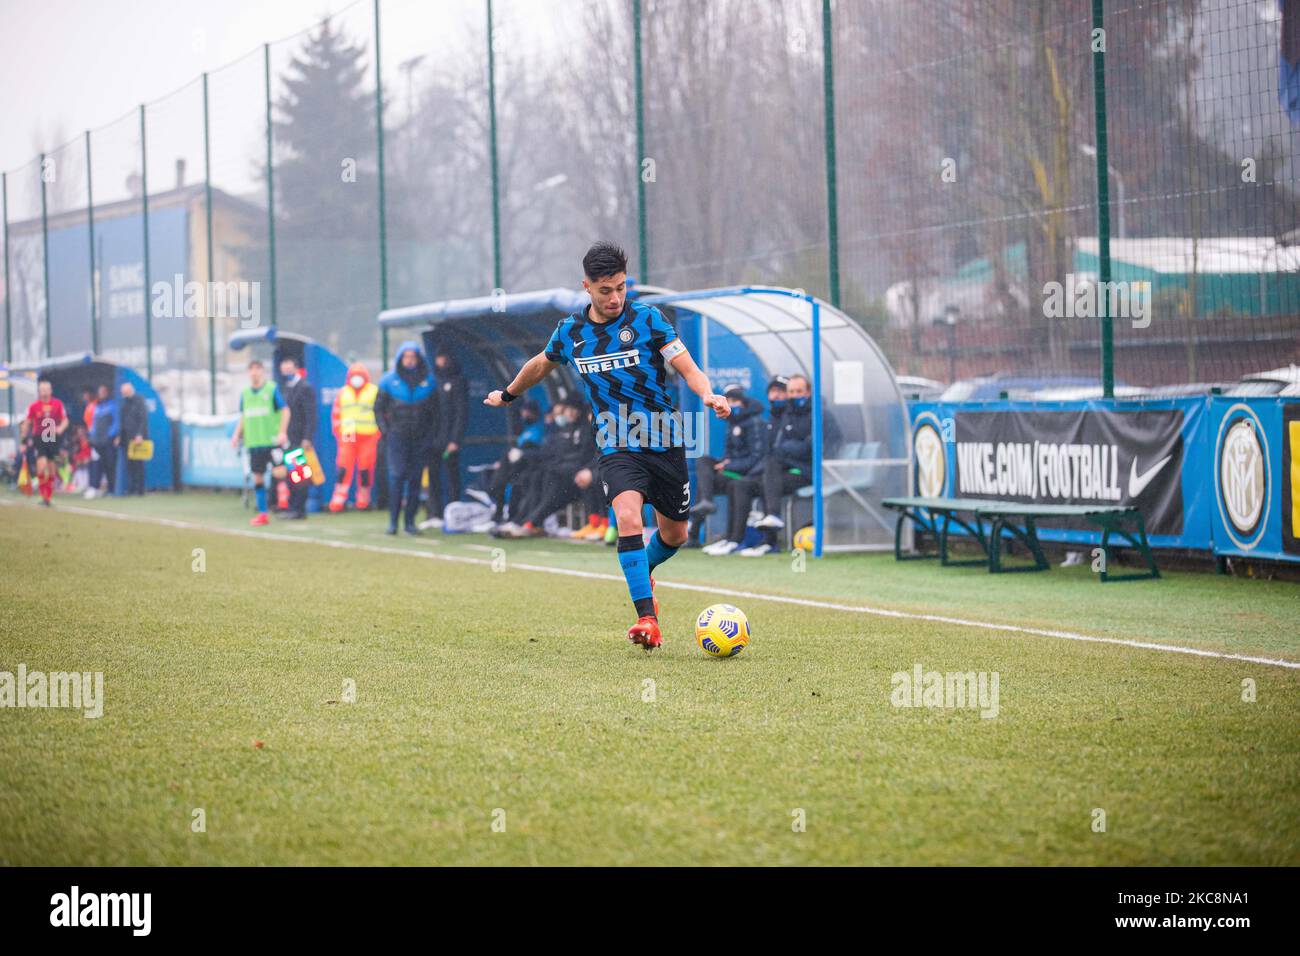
(789, 463)
(744, 451)
(450, 411)
(134, 428)
(300, 398)
(404, 410)
(565, 472)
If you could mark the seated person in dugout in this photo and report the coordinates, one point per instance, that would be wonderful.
(564, 472)
(744, 451)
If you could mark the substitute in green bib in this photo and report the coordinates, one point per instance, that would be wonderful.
(262, 427)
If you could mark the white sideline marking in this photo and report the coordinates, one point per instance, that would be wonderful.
(707, 589)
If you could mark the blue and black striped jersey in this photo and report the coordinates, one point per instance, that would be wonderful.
(623, 365)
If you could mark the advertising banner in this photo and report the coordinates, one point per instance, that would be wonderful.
(1255, 475)
(1142, 454)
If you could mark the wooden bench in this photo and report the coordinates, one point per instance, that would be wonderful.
(934, 517)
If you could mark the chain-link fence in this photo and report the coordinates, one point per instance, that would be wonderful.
(930, 166)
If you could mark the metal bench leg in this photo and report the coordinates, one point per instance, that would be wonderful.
(1133, 530)
(1031, 539)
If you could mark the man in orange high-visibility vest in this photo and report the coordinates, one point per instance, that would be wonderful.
(357, 433)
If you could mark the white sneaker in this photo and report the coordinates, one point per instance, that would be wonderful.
(769, 521)
(1072, 558)
(90, 494)
(757, 551)
(754, 518)
(722, 547)
(428, 523)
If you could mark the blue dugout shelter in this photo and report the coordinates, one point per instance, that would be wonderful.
(325, 371)
(745, 335)
(71, 374)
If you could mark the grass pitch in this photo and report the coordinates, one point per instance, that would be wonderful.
(512, 697)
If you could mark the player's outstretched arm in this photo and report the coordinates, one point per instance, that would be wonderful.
(534, 370)
(698, 383)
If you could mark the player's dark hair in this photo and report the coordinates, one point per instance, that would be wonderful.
(44, 379)
(604, 259)
(292, 360)
(256, 364)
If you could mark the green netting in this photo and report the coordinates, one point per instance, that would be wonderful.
(437, 174)
(734, 133)
(964, 178)
(69, 248)
(566, 135)
(326, 181)
(121, 297)
(240, 247)
(1205, 157)
(178, 329)
(26, 264)
(966, 196)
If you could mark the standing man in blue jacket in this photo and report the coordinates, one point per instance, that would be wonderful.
(404, 409)
(104, 426)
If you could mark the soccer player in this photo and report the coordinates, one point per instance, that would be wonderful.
(261, 430)
(621, 351)
(45, 423)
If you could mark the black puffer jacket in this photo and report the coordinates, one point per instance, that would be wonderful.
(451, 407)
(568, 447)
(792, 438)
(135, 419)
(301, 399)
(746, 437)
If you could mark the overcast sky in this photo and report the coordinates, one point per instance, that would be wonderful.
(71, 65)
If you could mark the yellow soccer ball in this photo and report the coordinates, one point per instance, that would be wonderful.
(803, 539)
(722, 630)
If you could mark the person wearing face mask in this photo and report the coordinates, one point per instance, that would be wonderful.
(746, 443)
(516, 462)
(356, 431)
(563, 474)
(300, 397)
(404, 409)
(789, 464)
(450, 413)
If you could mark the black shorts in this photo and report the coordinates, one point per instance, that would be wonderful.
(42, 449)
(660, 476)
(260, 459)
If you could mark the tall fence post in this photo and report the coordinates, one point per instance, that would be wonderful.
(207, 299)
(832, 192)
(45, 262)
(90, 222)
(1103, 200)
(9, 332)
(383, 220)
(492, 150)
(270, 177)
(144, 193)
(643, 254)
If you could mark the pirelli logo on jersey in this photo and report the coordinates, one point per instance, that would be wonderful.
(607, 362)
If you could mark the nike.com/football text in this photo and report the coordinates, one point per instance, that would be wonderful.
(1044, 470)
